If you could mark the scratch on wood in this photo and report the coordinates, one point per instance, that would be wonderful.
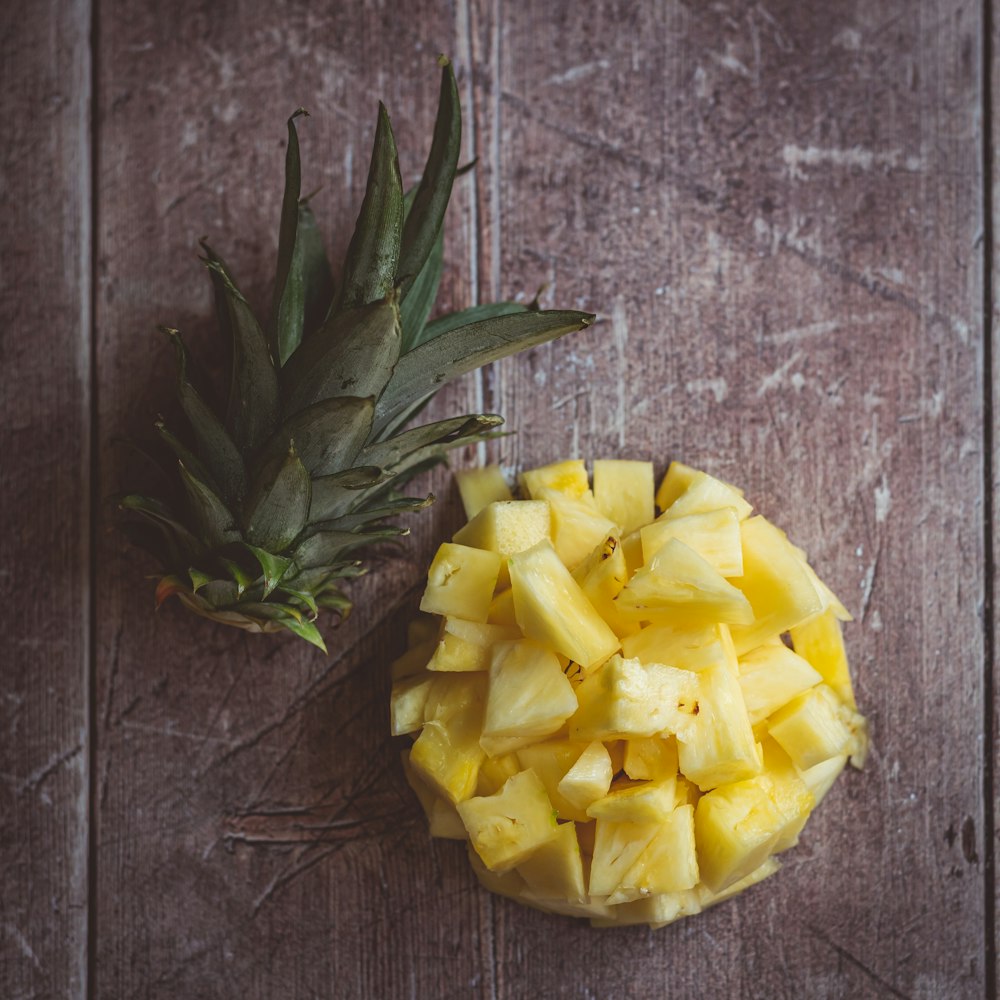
(23, 944)
(35, 779)
(857, 963)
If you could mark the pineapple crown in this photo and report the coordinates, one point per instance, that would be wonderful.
(273, 495)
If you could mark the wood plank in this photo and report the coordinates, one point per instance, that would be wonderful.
(777, 209)
(991, 430)
(44, 501)
(255, 835)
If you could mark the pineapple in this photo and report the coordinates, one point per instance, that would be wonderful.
(627, 739)
(480, 487)
(461, 582)
(274, 494)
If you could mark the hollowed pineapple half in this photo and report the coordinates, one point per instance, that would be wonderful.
(626, 716)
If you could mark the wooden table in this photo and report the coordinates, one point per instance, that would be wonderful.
(781, 210)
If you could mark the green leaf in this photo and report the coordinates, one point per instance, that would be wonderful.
(218, 452)
(253, 396)
(424, 222)
(354, 354)
(404, 505)
(198, 578)
(300, 595)
(188, 457)
(337, 601)
(327, 547)
(216, 525)
(417, 305)
(274, 566)
(311, 266)
(241, 578)
(466, 348)
(369, 272)
(388, 454)
(288, 306)
(465, 317)
(335, 495)
(185, 544)
(328, 435)
(304, 630)
(278, 506)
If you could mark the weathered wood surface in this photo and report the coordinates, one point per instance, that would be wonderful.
(44, 498)
(778, 211)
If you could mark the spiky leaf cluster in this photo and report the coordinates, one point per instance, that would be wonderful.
(274, 495)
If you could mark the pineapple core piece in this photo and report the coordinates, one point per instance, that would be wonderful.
(461, 582)
(607, 708)
(508, 827)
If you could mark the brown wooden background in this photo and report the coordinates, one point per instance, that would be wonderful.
(782, 211)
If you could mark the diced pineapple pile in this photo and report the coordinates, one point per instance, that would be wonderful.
(625, 716)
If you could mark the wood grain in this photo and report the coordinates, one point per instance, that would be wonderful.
(44, 499)
(778, 211)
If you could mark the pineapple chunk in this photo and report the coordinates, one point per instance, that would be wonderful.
(414, 660)
(776, 584)
(708, 898)
(637, 802)
(632, 550)
(528, 694)
(589, 779)
(679, 585)
(442, 817)
(714, 535)
(480, 487)
(467, 646)
(552, 761)
(626, 699)
(819, 778)
(650, 758)
(821, 642)
(789, 792)
(810, 728)
(447, 756)
(736, 827)
(657, 910)
(706, 493)
(458, 694)
(508, 883)
(461, 582)
(494, 772)
(691, 648)
(551, 608)
(555, 870)
(569, 477)
(601, 576)
(617, 847)
(506, 527)
(623, 491)
(668, 864)
(577, 525)
(509, 826)
(407, 703)
(719, 747)
(502, 608)
(771, 676)
(678, 478)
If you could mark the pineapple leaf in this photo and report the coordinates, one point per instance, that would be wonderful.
(287, 308)
(187, 456)
(157, 513)
(466, 348)
(278, 505)
(388, 454)
(214, 521)
(474, 314)
(354, 354)
(417, 305)
(241, 578)
(221, 456)
(304, 630)
(423, 224)
(328, 434)
(311, 267)
(274, 567)
(335, 600)
(335, 495)
(325, 547)
(303, 596)
(253, 396)
(373, 255)
(198, 578)
(348, 522)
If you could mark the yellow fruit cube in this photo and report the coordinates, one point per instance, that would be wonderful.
(736, 827)
(708, 898)
(467, 646)
(714, 535)
(529, 694)
(719, 747)
(506, 527)
(414, 660)
(589, 779)
(704, 493)
(637, 801)
(407, 702)
(461, 582)
(509, 826)
(788, 791)
(617, 846)
(651, 758)
(555, 870)
(776, 584)
(693, 648)
(821, 642)
(601, 576)
(668, 864)
(678, 478)
(680, 586)
(623, 491)
(626, 699)
(480, 487)
(494, 772)
(811, 728)
(551, 608)
(447, 756)
(771, 676)
(442, 817)
(820, 777)
(577, 525)
(569, 477)
(552, 761)
(502, 608)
